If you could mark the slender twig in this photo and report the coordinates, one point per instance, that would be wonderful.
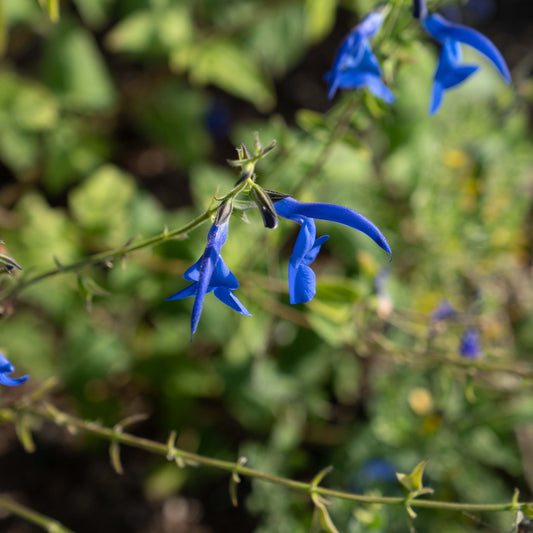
(515, 368)
(110, 254)
(49, 524)
(182, 457)
(338, 131)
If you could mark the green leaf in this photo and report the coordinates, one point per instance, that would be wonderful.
(413, 482)
(321, 475)
(95, 12)
(320, 17)
(325, 519)
(34, 108)
(222, 63)
(101, 203)
(75, 70)
(23, 430)
(173, 116)
(16, 11)
(52, 8)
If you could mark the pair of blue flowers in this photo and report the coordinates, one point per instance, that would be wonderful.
(210, 272)
(469, 345)
(356, 66)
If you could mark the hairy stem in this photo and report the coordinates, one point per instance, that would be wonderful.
(182, 457)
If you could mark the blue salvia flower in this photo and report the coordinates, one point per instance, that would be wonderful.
(450, 71)
(443, 311)
(469, 346)
(210, 273)
(355, 64)
(302, 280)
(7, 368)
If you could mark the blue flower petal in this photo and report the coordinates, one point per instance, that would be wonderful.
(302, 284)
(12, 382)
(379, 89)
(310, 256)
(441, 29)
(304, 242)
(184, 293)
(7, 368)
(294, 210)
(437, 94)
(370, 25)
(225, 295)
(222, 276)
(354, 79)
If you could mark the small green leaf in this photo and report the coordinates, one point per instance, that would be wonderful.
(321, 475)
(325, 519)
(23, 430)
(413, 481)
(114, 454)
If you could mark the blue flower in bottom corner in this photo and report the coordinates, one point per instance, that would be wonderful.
(7, 368)
(302, 279)
(210, 273)
(450, 71)
(469, 346)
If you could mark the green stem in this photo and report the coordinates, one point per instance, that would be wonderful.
(338, 131)
(110, 254)
(183, 457)
(49, 524)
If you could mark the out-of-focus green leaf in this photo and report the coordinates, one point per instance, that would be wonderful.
(339, 290)
(16, 11)
(149, 31)
(224, 64)
(19, 149)
(174, 116)
(101, 202)
(74, 150)
(278, 38)
(75, 70)
(52, 8)
(46, 233)
(95, 12)
(320, 17)
(34, 108)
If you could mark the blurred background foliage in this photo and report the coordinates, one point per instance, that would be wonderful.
(116, 120)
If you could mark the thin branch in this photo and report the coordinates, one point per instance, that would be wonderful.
(49, 524)
(182, 457)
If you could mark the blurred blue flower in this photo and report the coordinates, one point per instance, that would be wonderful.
(218, 120)
(302, 280)
(7, 368)
(469, 346)
(380, 470)
(210, 273)
(450, 72)
(442, 311)
(355, 64)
